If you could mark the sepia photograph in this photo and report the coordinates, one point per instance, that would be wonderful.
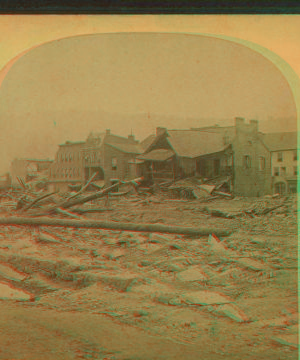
(148, 187)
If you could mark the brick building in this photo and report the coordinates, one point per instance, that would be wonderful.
(108, 155)
(284, 161)
(236, 151)
(28, 169)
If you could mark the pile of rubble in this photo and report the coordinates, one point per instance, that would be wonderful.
(196, 188)
(237, 275)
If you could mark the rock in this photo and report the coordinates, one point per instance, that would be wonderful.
(174, 267)
(251, 264)
(122, 281)
(47, 239)
(115, 254)
(8, 292)
(258, 240)
(217, 246)
(111, 241)
(153, 289)
(202, 297)
(278, 322)
(208, 188)
(194, 273)
(158, 238)
(289, 340)
(232, 311)
(10, 273)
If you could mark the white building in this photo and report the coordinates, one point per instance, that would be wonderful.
(284, 162)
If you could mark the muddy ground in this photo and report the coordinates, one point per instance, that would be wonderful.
(100, 294)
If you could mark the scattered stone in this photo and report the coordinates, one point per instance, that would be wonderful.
(217, 246)
(289, 340)
(45, 238)
(251, 264)
(122, 281)
(115, 254)
(10, 273)
(7, 292)
(202, 297)
(194, 273)
(279, 322)
(232, 311)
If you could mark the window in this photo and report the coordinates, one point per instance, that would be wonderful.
(280, 188)
(114, 163)
(276, 171)
(262, 163)
(279, 157)
(247, 162)
(295, 155)
(283, 171)
(295, 170)
(216, 167)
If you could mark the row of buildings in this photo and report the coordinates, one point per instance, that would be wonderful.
(254, 163)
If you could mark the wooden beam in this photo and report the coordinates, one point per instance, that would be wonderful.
(95, 224)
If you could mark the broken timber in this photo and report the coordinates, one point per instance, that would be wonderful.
(95, 224)
(70, 202)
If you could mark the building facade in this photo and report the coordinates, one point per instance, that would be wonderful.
(284, 161)
(28, 169)
(109, 156)
(236, 152)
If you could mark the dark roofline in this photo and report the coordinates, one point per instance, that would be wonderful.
(120, 137)
(126, 152)
(289, 149)
(36, 160)
(73, 143)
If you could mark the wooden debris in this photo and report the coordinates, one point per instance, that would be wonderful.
(232, 311)
(202, 297)
(67, 213)
(194, 273)
(34, 202)
(46, 221)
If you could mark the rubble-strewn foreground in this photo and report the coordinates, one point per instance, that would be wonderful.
(232, 297)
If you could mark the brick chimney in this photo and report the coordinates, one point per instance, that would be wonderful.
(160, 131)
(239, 122)
(131, 138)
(254, 125)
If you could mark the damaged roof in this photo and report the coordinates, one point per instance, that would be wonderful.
(126, 148)
(194, 143)
(280, 141)
(158, 155)
(148, 141)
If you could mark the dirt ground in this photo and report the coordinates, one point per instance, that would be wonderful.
(99, 294)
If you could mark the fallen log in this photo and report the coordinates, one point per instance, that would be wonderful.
(269, 209)
(22, 182)
(68, 203)
(221, 193)
(97, 186)
(113, 194)
(95, 224)
(84, 187)
(67, 213)
(27, 207)
(92, 210)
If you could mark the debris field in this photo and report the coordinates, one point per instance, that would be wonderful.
(208, 270)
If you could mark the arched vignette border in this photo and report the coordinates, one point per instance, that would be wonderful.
(287, 71)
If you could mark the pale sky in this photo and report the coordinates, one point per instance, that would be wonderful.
(58, 91)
